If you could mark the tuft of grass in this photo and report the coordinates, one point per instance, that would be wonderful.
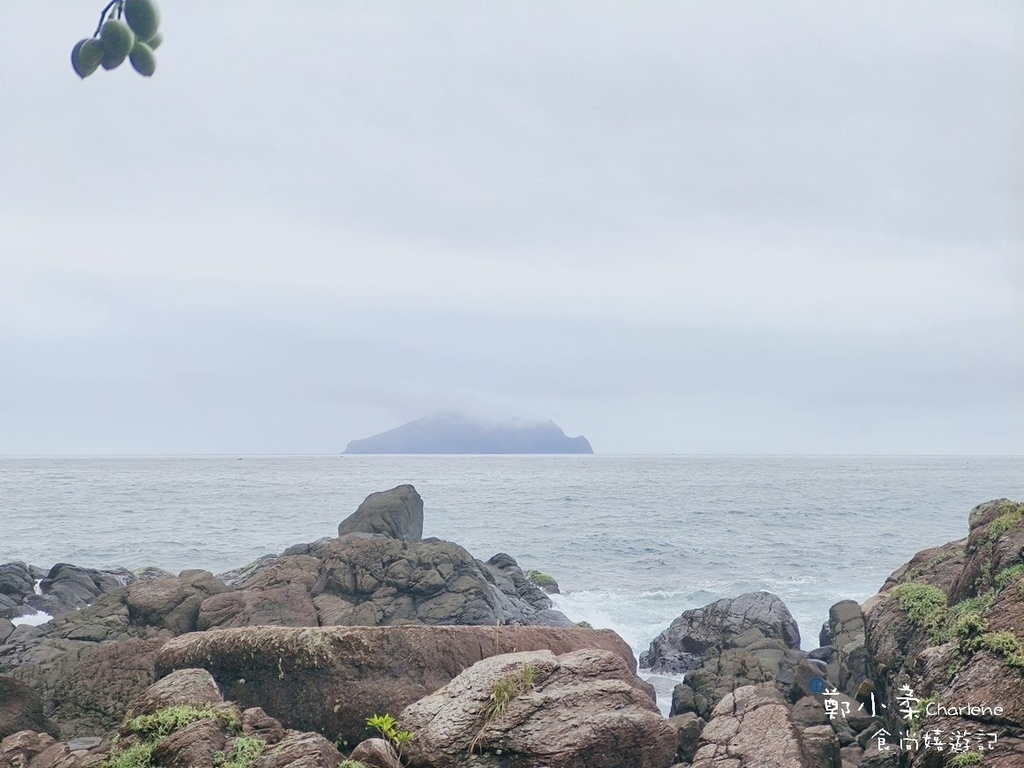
(503, 691)
(924, 605)
(135, 756)
(1010, 515)
(584, 625)
(1006, 644)
(167, 721)
(1009, 575)
(968, 626)
(154, 728)
(918, 716)
(244, 752)
(965, 759)
(351, 764)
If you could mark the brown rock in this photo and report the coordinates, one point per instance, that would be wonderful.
(376, 753)
(171, 602)
(821, 747)
(18, 749)
(55, 756)
(93, 697)
(257, 723)
(282, 606)
(989, 549)
(330, 679)
(300, 750)
(751, 727)
(192, 746)
(192, 687)
(580, 710)
(21, 709)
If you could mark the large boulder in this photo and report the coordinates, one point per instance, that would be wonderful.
(379, 571)
(300, 750)
(377, 580)
(69, 588)
(330, 679)
(397, 513)
(752, 727)
(537, 709)
(92, 697)
(183, 687)
(728, 644)
(16, 584)
(732, 622)
(171, 602)
(848, 663)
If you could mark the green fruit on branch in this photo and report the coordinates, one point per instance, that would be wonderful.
(143, 59)
(143, 17)
(117, 41)
(83, 67)
(92, 52)
(155, 40)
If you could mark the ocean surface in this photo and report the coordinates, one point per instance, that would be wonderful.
(631, 540)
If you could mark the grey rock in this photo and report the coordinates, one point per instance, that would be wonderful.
(738, 622)
(21, 709)
(69, 588)
(84, 743)
(397, 513)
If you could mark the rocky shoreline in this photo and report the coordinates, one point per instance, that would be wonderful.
(380, 648)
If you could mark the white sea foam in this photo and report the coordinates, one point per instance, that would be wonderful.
(36, 588)
(32, 620)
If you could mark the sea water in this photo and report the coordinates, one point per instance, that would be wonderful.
(631, 540)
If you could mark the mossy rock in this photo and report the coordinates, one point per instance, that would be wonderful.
(544, 581)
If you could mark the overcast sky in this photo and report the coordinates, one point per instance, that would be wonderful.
(701, 227)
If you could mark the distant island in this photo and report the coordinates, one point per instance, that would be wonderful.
(454, 433)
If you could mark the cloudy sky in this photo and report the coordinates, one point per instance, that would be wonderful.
(701, 227)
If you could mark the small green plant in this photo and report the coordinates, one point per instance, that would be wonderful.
(584, 625)
(167, 721)
(918, 715)
(387, 725)
(1010, 515)
(967, 627)
(351, 764)
(135, 756)
(1009, 575)
(965, 759)
(924, 604)
(1006, 644)
(503, 691)
(243, 753)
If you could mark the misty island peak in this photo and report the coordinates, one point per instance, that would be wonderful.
(456, 433)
